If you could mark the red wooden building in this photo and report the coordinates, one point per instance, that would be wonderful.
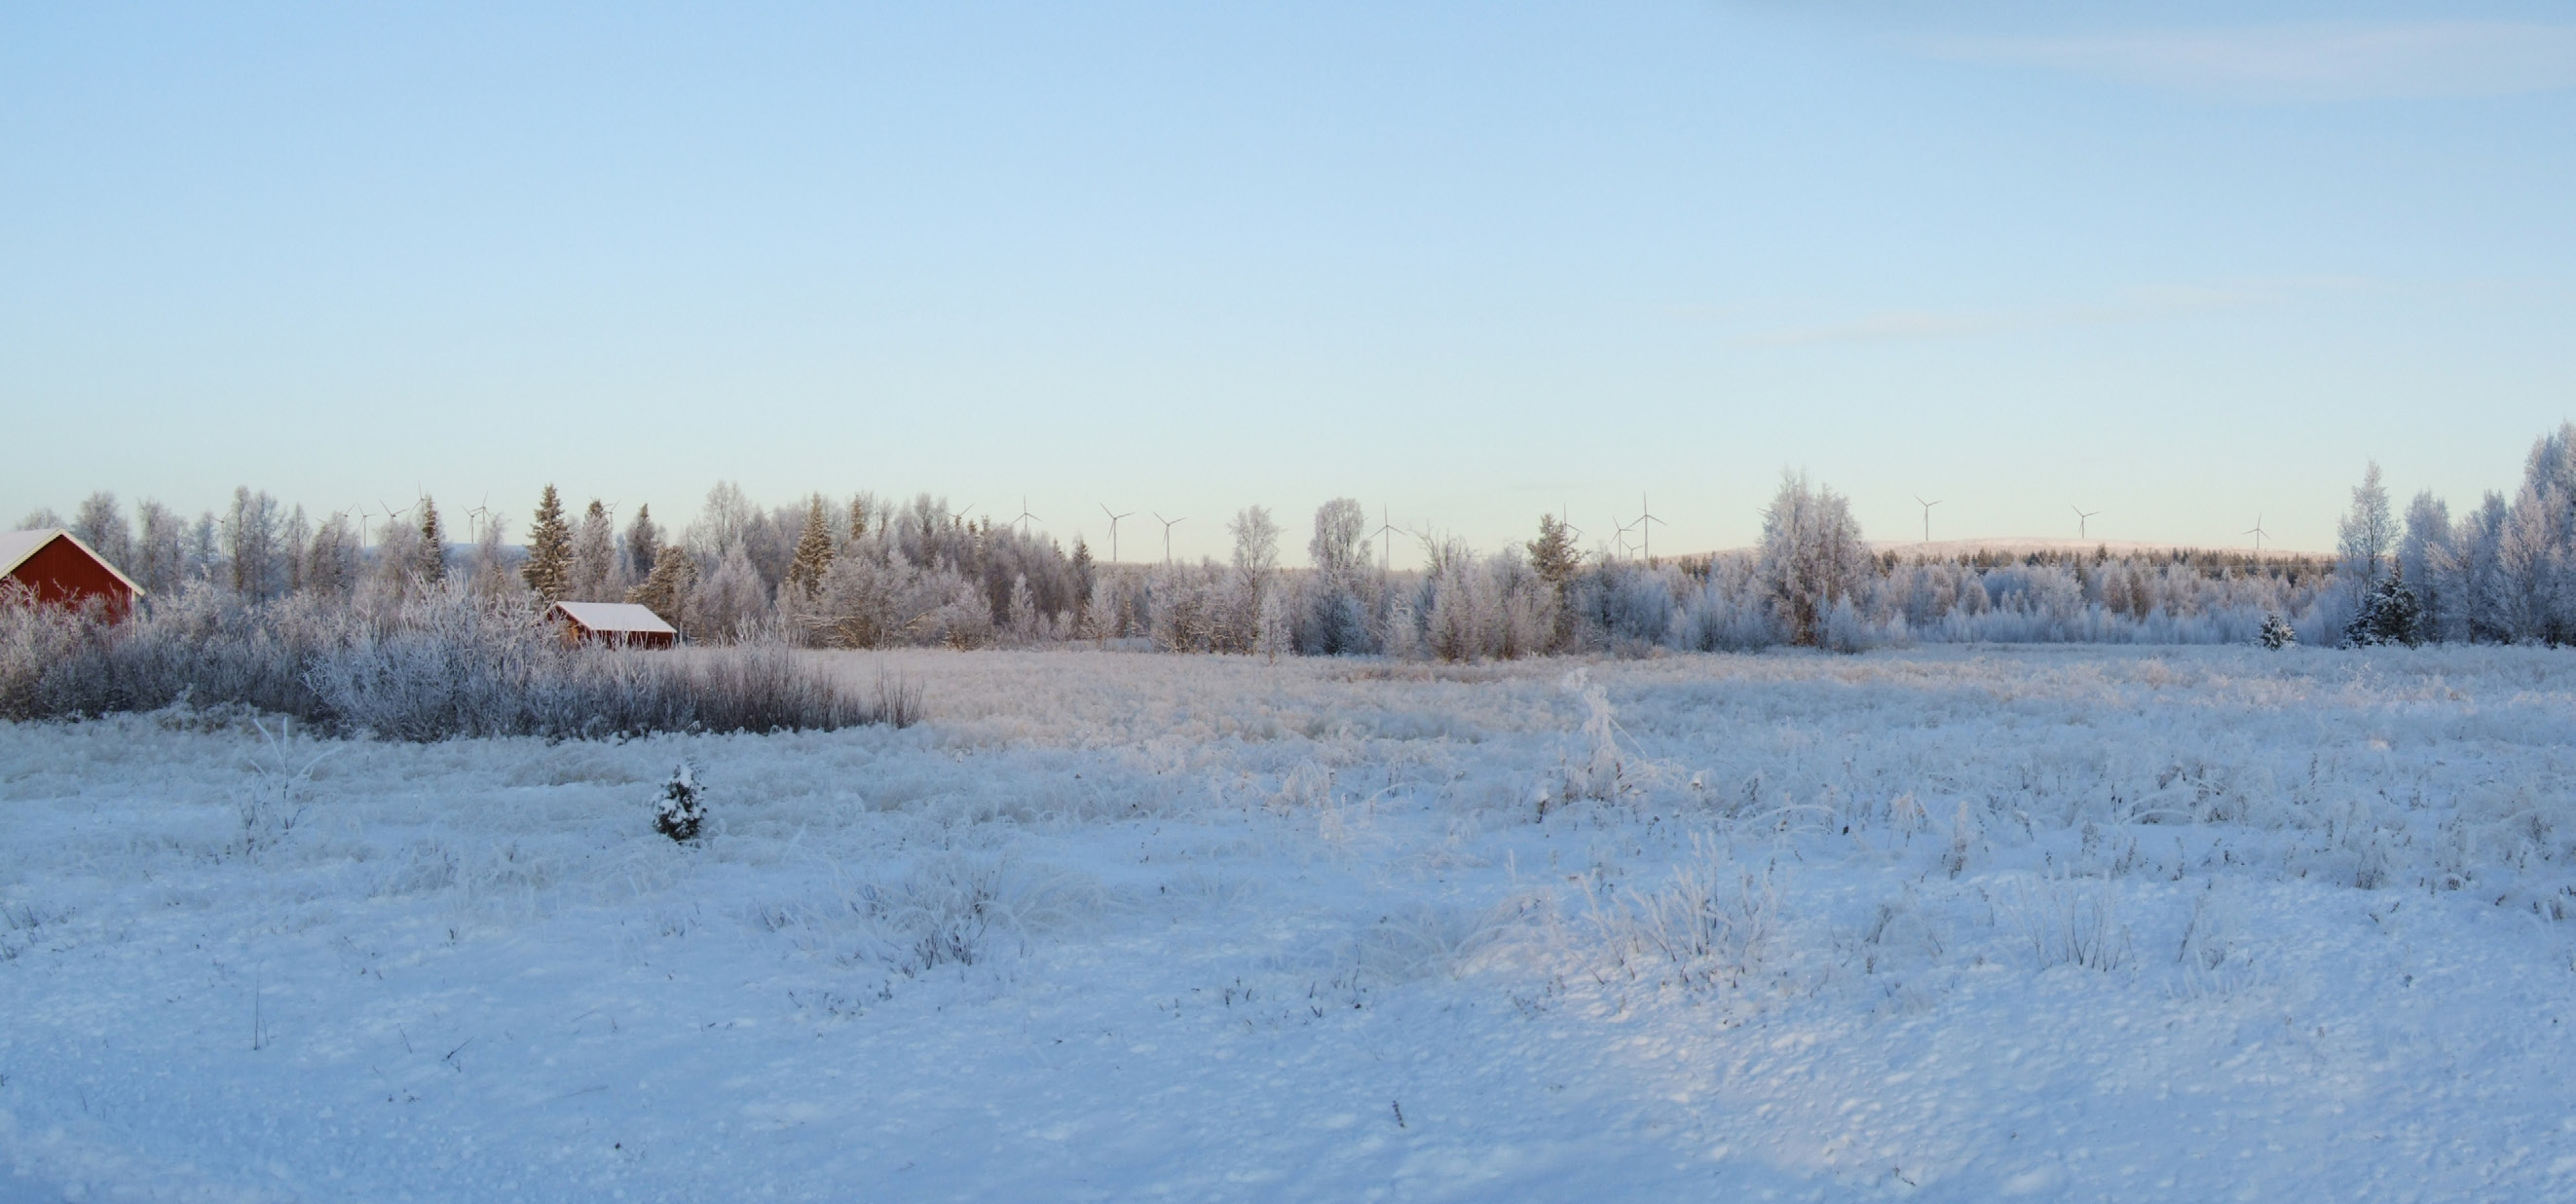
(60, 570)
(622, 623)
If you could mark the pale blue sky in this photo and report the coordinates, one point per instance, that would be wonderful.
(2179, 263)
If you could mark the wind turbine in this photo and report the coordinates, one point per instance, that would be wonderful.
(1646, 521)
(1113, 530)
(2257, 532)
(2083, 517)
(1168, 524)
(1386, 542)
(1927, 517)
(1025, 517)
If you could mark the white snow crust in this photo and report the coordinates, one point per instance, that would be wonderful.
(1947, 924)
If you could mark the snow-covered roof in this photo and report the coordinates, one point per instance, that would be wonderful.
(17, 546)
(616, 616)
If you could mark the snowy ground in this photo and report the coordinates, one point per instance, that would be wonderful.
(1951, 924)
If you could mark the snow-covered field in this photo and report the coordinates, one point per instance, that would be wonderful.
(1957, 924)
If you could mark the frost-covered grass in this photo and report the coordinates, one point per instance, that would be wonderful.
(1953, 923)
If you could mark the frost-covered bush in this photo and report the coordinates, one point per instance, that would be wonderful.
(431, 666)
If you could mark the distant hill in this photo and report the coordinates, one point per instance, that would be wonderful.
(2023, 545)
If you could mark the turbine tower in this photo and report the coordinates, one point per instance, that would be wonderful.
(1386, 541)
(1927, 517)
(2257, 532)
(1168, 524)
(1646, 522)
(1025, 518)
(1113, 530)
(2083, 519)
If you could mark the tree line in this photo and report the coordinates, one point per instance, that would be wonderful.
(862, 572)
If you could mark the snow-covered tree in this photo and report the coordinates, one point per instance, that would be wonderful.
(731, 601)
(1555, 559)
(861, 512)
(430, 567)
(491, 576)
(2367, 533)
(2426, 560)
(202, 550)
(2389, 614)
(1256, 547)
(252, 553)
(1812, 556)
(667, 590)
(813, 551)
(1332, 619)
(395, 575)
(682, 809)
(549, 567)
(2538, 557)
(160, 558)
(100, 523)
(2477, 548)
(2276, 633)
(643, 544)
(331, 560)
(594, 557)
(295, 538)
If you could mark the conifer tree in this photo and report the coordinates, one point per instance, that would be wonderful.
(666, 589)
(1553, 557)
(549, 567)
(431, 568)
(858, 517)
(643, 543)
(813, 550)
(1083, 574)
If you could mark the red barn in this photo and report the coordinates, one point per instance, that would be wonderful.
(621, 623)
(60, 570)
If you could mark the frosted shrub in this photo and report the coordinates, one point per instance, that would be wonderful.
(2073, 923)
(429, 667)
(1724, 614)
(1601, 773)
(950, 909)
(682, 810)
(1710, 928)
(2277, 634)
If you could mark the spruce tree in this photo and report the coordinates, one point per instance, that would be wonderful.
(431, 568)
(813, 550)
(1552, 555)
(643, 543)
(1554, 558)
(2389, 614)
(858, 517)
(549, 567)
(666, 589)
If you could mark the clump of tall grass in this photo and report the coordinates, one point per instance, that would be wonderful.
(431, 667)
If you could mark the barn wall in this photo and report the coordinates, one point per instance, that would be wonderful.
(62, 574)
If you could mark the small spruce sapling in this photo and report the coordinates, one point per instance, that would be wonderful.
(682, 808)
(2276, 633)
